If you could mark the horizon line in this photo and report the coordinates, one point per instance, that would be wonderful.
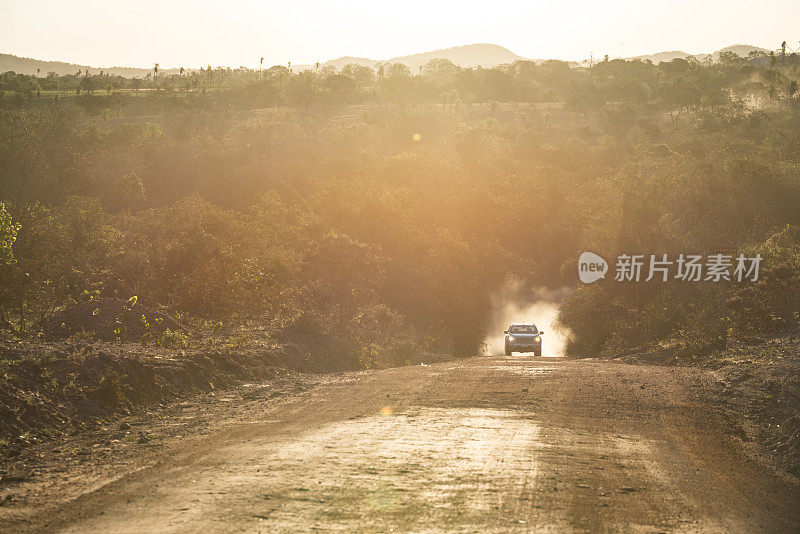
(304, 64)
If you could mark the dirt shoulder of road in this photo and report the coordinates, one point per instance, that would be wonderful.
(60, 469)
(759, 386)
(75, 412)
(50, 389)
(55, 388)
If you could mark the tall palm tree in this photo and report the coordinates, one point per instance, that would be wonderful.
(260, 66)
(155, 73)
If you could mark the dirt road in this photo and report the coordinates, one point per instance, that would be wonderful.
(488, 444)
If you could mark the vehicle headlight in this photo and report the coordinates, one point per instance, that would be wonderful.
(511, 338)
(538, 339)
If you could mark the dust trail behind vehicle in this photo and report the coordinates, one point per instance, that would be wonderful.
(518, 303)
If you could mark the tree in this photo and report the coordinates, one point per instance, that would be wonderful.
(361, 75)
(731, 58)
(8, 234)
(791, 88)
(342, 88)
(679, 95)
(87, 85)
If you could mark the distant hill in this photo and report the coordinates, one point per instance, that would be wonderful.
(473, 55)
(24, 65)
(739, 49)
(350, 60)
(663, 56)
(486, 55)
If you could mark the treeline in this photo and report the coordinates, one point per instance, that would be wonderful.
(676, 85)
(372, 214)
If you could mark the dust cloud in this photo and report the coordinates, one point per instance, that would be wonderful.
(518, 303)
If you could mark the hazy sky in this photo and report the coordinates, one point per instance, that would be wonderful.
(237, 32)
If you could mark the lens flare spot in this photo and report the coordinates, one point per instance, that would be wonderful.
(386, 410)
(416, 137)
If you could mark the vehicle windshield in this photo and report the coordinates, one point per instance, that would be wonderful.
(523, 329)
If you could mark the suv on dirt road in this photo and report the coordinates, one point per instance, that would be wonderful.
(522, 337)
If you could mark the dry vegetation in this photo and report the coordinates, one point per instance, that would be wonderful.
(367, 217)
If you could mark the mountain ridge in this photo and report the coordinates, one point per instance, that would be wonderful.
(471, 55)
(740, 49)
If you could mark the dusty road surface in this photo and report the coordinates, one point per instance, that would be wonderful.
(492, 444)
